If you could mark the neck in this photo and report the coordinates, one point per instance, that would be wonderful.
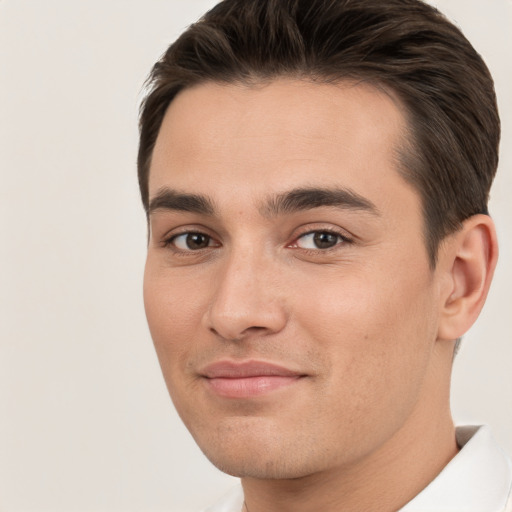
(384, 480)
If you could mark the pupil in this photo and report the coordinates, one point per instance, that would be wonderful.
(325, 240)
(197, 241)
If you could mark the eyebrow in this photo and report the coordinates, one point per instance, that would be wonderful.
(292, 201)
(167, 199)
(308, 198)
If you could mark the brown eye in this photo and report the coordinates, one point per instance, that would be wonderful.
(319, 240)
(191, 241)
(325, 240)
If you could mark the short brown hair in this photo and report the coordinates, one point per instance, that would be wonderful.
(405, 46)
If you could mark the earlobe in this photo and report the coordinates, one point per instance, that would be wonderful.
(472, 258)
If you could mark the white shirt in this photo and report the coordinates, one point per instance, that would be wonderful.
(477, 479)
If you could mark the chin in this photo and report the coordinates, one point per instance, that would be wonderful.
(248, 449)
(266, 467)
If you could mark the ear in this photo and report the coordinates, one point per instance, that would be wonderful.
(469, 260)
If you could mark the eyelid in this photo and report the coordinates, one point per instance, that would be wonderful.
(166, 241)
(169, 237)
(173, 240)
(310, 229)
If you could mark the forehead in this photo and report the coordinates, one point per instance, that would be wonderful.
(252, 140)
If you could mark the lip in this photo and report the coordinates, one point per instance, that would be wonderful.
(246, 379)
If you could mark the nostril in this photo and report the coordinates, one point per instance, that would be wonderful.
(233, 316)
(255, 330)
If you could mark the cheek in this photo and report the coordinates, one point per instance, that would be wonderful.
(377, 333)
(363, 306)
(173, 313)
(174, 317)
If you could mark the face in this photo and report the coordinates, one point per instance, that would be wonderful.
(287, 285)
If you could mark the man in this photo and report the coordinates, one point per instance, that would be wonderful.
(316, 176)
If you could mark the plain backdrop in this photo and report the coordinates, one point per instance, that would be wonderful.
(85, 420)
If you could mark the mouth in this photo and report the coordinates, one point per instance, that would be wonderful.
(230, 379)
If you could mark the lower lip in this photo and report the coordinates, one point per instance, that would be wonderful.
(247, 387)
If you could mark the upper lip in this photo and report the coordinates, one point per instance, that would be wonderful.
(234, 369)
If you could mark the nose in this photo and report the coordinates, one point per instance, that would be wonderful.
(247, 299)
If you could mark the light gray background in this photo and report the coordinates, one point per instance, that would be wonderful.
(85, 420)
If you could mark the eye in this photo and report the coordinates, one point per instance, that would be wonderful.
(191, 241)
(319, 240)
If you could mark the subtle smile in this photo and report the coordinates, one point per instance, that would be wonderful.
(247, 379)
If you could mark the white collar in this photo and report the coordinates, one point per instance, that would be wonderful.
(477, 479)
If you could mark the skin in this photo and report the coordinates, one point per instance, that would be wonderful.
(366, 323)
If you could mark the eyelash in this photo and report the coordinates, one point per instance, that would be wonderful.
(342, 240)
(169, 242)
